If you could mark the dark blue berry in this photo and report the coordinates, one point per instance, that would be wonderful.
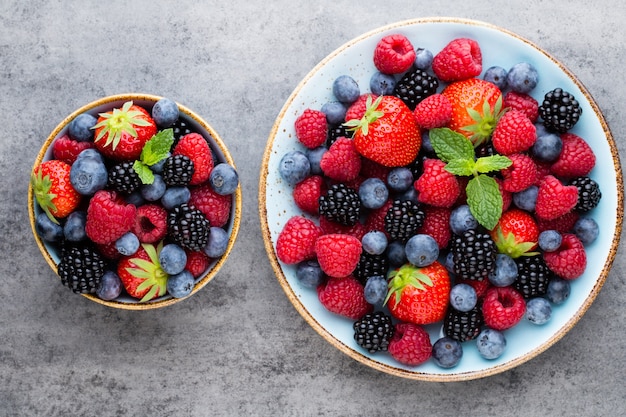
(549, 240)
(90, 153)
(421, 250)
(427, 146)
(374, 242)
(74, 227)
(158, 167)
(497, 76)
(110, 286)
(463, 297)
(423, 58)
(165, 112)
(218, 242)
(373, 193)
(175, 196)
(315, 156)
(154, 191)
(294, 167)
(396, 254)
(526, 199)
(547, 147)
(309, 273)
(47, 229)
(462, 220)
(172, 259)
(135, 198)
(80, 129)
(490, 343)
(346, 89)
(88, 174)
(505, 271)
(522, 77)
(558, 290)
(538, 310)
(180, 285)
(447, 352)
(224, 179)
(587, 230)
(400, 179)
(128, 244)
(335, 112)
(375, 289)
(382, 84)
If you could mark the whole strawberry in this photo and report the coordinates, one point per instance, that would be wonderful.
(410, 344)
(460, 59)
(296, 241)
(516, 233)
(53, 191)
(503, 308)
(338, 254)
(344, 296)
(141, 274)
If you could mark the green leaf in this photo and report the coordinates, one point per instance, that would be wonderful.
(145, 173)
(158, 147)
(492, 163)
(462, 167)
(484, 200)
(450, 145)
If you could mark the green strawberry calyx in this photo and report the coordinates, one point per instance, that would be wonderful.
(117, 122)
(154, 151)
(150, 272)
(509, 245)
(485, 122)
(42, 188)
(370, 116)
(408, 275)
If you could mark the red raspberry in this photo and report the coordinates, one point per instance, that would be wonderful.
(196, 148)
(432, 112)
(562, 224)
(394, 54)
(150, 223)
(341, 162)
(311, 128)
(480, 287)
(357, 109)
(436, 186)
(570, 260)
(437, 224)
(410, 344)
(296, 242)
(329, 227)
(375, 219)
(338, 254)
(371, 169)
(215, 207)
(555, 199)
(503, 308)
(514, 133)
(543, 169)
(576, 159)
(197, 262)
(66, 149)
(522, 102)
(344, 296)
(458, 60)
(108, 217)
(520, 175)
(507, 196)
(306, 194)
(109, 251)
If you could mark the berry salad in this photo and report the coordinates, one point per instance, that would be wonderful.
(440, 204)
(133, 204)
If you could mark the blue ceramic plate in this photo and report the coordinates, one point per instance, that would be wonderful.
(499, 47)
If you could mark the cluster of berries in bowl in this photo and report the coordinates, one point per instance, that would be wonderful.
(134, 201)
(446, 195)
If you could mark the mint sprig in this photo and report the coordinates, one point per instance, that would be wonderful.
(483, 194)
(154, 151)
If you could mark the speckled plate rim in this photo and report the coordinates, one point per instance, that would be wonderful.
(235, 216)
(451, 376)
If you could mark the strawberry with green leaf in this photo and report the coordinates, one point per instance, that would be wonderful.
(53, 191)
(142, 275)
(153, 152)
(516, 233)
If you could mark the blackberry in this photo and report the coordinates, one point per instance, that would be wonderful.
(81, 269)
(336, 132)
(341, 204)
(473, 255)
(188, 227)
(589, 193)
(403, 220)
(180, 128)
(485, 149)
(533, 276)
(123, 178)
(370, 265)
(177, 170)
(374, 331)
(463, 325)
(415, 86)
(559, 110)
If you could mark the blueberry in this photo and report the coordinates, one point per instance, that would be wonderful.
(375, 289)
(128, 244)
(423, 58)
(110, 286)
(90, 153)
(449, 262)
(547, 147)
(396, 254)
(74, 227)
(462, 220)
(422, 250)
(294, 167)
(522, 77)
(180, 285)
(135, 198)
(447, 352)
(80, 129)
(172, 259)
(558, 290)
(490, 343)
(410, 194)
(88, 175)
(400, 179)
(463, 297)
(165, 112)
(382, 84)
(218, 242)
(526, 199)
(335, 112)
(47, 229)
(224, 179)
(374, 242)
(427, 146)
(158, 167)
(587, 230)
(373, 193)
(496, 75)
(346, 89)
(538, 310)
(309, 273)
(549, 240)
(154, 191)
(175, 196)
(315, 156)
(505, 272)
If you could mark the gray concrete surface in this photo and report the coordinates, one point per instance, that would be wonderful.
(238, 347)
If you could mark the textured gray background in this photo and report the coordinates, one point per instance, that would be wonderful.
(238, 347)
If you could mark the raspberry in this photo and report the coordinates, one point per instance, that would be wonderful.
(371, 169)
(67, 149)
(434, 111)
(375, 219)
(296, 242)
(307, 193)
(436, 186)
(437, 224)
(109, 251)
(514, 133)
(562, 224)
(338, 254)
(570, 260)
(410, 344)
(341, 162)
(196, 148)
(150, 224)
(507, 196)
(394, 54)
(522, 102)
(555, 199)
(311, 128)
(329, 227)
(503, 308)
(576, 159)
(480, 287)
(215, 207)
(344, 296)
(357, 109)
(520, 175)
(197, 262)
(108, 217)
(458, 60)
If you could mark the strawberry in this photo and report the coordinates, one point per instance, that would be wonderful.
(522, 102)
(52, 189)
(341, 162)
(570, 260)
(514, 133)
(520, 175)
(516, 233)
(503, 308)
(410, 344)
(394, 54)
(358, 108)
(311, 128)
(460, 59)
(555, 199)
(344, 296)
(121, 133)
(196, 148)
(108, 217)
(437, 224)
(576, 159)
(306, 194)
(141, 274)
(67, 149)
(197, 262)
(214, 206)
(419, 295)
(436, 186)
(296, 241)
(387, 133)
(338, 254)
(329, 227)
(434, 111)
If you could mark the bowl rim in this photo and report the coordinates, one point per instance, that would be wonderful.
(415, 375)
(236, 209)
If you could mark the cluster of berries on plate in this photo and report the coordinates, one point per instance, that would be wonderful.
(135, 202)
(444, 195)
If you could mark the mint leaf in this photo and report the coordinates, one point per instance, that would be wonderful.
(158, 147)
(450, 145)
(484, 200)
(145, 173)
(462, 167)
(492, 163)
